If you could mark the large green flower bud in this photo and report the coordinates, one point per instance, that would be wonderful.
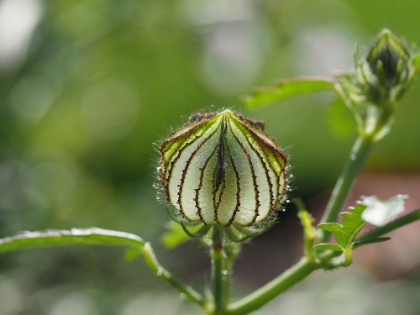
(222, 169)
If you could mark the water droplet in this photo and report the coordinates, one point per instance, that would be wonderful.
(353, 157)
(224, 272)
(287, 201)
(291, 176)
(159, 272)
(183, 296)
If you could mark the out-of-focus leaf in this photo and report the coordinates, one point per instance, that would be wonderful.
(340, 119)
(92, 236)
(416, 62)
(132, 254)
(175, 236)
(380, 212)
(287, 88)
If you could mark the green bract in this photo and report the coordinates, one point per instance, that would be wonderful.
(222, 169)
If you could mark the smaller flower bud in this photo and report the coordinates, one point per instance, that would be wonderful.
(388, 57)
(385, 73)
(222, 169)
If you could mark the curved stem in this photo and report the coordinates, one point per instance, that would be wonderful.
(353, 165)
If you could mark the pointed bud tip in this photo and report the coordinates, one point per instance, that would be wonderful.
(385, 54)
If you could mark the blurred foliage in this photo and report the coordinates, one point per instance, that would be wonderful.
(87, 87)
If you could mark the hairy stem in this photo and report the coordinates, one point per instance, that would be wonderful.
(218, 274)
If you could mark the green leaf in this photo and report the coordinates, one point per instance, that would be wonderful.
(131, 254)
(175, 236)
(352, 224)
(380, 212)
(287, 88)
(346, 232)
(326, 246)
(92, 236)
(330, 227)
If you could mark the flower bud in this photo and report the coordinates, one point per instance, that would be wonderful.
(388, 57)
(386, 72)
(222, 169)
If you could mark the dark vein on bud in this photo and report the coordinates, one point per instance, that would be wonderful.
(238, 189)
(184, 171)
(200, 185)
(254, 179)
(220, 170)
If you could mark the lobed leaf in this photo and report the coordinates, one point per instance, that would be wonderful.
(287, 88)
(346, 232)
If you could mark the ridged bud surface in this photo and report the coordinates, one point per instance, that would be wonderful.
(221, 168)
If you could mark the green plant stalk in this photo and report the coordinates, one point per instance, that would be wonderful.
(358, 155)
(231, 251)
(218, 275)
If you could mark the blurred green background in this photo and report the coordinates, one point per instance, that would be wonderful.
(87, 90)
